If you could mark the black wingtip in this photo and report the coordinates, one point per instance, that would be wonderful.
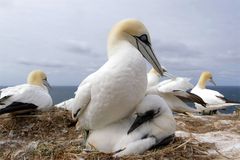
(227, 100)
(18, 107)
(191, 97)
(198, 99)
(4, 99)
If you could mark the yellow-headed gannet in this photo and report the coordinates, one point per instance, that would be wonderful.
(173, 91)
(215, 99)
(112, 92)
(27, 97)
(151, 125)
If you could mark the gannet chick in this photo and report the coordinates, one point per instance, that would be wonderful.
(214, 98)
(173, 91)
(27, 97)
(112, 92)
(150, 125)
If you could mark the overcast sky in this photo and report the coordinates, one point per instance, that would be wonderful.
(67, 38)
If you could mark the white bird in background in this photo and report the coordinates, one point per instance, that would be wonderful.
(27, 97)
(112, 92)
(67, 104)
(214, 98)
(173, 91)
(151, 125)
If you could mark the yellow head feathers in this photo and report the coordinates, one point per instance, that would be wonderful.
(36, 77)
(125, 30)
(205, 76)
(133, 32)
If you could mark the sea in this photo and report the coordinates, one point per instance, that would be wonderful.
(61, 93)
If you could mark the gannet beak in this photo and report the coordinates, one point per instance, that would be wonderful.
(149, 55)
(45, 83)
(147, 116)
(212, 81)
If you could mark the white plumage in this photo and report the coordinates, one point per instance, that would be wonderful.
(128, 137)
(172, 90)
(112, 92)
(31, 96)
(67, 104)
(215, 99)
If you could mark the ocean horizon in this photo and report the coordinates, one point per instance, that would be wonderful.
(62, 93)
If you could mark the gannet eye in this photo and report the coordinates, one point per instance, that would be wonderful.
(144, 39)
(45, 79)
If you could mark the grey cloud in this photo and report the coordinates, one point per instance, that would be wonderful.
(42, 64)
(194, 35)
(79, 48)
(179, 56)
(232, 56)
(175, 49)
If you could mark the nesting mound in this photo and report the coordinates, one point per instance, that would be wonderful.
(205, 124)
(51, 135)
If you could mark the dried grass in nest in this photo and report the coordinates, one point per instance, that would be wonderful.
(180, 148)
(57, 140)
(207, 123)
(41, 126)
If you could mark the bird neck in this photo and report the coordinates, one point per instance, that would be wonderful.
(202, 82)
(36, 83)
(153, 79)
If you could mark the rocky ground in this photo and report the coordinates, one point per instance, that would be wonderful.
(52, 135)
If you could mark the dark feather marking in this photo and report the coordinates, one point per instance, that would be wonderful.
(5, 98)
(163, 142)
(147, 116)
(77, 112)
(227, 100)
(18, 106)
(192, 98)
(145, 136)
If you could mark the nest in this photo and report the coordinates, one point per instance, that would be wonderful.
(51, 135)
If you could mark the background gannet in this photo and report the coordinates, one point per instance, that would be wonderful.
(214, 98)
(151, 123)
(67, 104)
(173, 91)
(27, 97)
(112, 92)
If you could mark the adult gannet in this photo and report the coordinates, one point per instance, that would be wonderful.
(112, 92)
(173, 91)
(27, 97)
(214, 98)
(150, 125)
